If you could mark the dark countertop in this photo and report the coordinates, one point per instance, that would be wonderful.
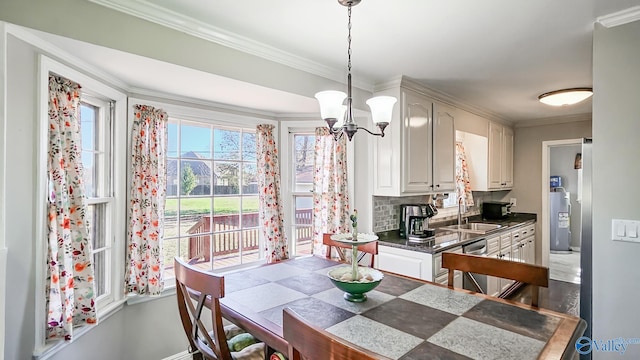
(447, 239)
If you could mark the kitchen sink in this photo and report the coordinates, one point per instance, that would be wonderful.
(473, 227)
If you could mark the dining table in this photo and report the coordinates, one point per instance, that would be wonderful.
(402, 318)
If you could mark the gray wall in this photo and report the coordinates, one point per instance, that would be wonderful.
(149, 330)
(527, 165)
(561, 164)
(616, 125)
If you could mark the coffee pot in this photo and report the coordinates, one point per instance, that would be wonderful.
(414, 220)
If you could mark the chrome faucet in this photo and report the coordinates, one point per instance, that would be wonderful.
(461, 209)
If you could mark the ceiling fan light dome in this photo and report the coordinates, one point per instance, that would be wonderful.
(565, 96)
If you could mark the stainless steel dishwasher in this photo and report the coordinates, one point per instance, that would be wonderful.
(472, 281)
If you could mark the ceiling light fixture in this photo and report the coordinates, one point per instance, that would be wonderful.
(565, 96)
(339, 117)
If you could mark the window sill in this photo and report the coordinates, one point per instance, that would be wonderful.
(50, 349)
(140, 299)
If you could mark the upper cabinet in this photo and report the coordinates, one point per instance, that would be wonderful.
(490, 160)
(417, 154)
(444, 149)
(500, 157)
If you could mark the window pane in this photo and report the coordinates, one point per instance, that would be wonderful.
(100, 272)
(249, 204)
(226, 144)
(248, 146)
(304, 153)
(302, 229)
(87, 126)
(89, 169)
(195, 141)
(226, 176)
(171, 218)
(172, 135)
(88, 130)
(226, 249)
(250, 245)
(249, 216)
(195, 177)
(96, 216)
(304, 210)
(249, 178)
(195, 215)
(171, 249)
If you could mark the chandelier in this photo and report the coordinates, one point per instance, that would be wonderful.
(339, 117)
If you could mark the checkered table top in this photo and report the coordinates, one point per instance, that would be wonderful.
(402, 319)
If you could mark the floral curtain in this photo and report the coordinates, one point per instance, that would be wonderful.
(330, 193)
(463, 187)
(70, 294)
(146, 213)
(270, 204)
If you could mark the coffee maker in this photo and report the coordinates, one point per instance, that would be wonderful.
(414, 221)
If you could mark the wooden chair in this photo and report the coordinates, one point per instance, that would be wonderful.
(206, 289)
(533, 275)
(312, 343)
(369, 248)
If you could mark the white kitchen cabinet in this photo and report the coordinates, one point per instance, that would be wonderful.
(500, 157)
(417, 154)
(489, 160)
(444, 149)
(493, 251)
(441, 274)
(528, 244)
(416, 264)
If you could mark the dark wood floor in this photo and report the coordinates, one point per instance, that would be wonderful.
(560, 296)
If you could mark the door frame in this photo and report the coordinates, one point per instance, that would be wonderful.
(546, 173)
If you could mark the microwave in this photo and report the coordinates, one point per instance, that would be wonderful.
(495, 209)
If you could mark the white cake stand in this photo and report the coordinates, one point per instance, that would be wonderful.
(349, 240)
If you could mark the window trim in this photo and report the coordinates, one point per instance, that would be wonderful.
(119, 174)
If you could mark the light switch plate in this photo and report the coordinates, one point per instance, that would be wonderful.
(625, 230)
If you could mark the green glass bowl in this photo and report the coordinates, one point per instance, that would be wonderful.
(355, 291)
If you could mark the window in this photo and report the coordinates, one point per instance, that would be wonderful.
(302, 175)
(96, 129)
(103, 114)
(211, 213)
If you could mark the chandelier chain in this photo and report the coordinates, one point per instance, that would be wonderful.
(349, 40)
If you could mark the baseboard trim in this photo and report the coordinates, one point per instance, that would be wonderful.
(185, 355)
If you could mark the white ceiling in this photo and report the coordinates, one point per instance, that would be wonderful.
(496, 55)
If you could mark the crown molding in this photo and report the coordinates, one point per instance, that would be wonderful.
(554, 120)
(412, 84)
(620, 18)
(186, 24)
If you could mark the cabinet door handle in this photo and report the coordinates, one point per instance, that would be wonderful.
(438, 185)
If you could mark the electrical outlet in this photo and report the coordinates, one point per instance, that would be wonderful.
(512, 201)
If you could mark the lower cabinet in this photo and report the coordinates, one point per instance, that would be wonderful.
(441, 274)
(416, 264)
(516, 244)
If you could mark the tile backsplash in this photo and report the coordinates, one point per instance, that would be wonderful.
(386, 210)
